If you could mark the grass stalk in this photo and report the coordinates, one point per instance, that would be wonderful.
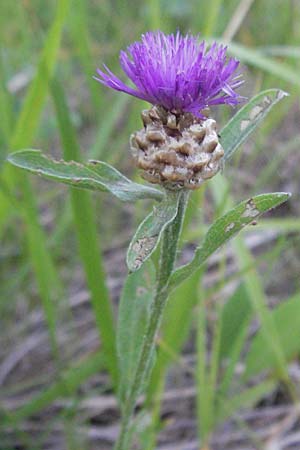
(87, 235)
(47, 278)
(213, 11)
(255, 290)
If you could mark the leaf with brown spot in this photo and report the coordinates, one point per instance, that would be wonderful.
(148, 234)
(247, 119)
(225, 228)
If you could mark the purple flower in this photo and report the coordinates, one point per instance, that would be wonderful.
(177, 72)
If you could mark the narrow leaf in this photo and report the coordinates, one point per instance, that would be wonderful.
(257, 59)
(30, 115)
(178, 315)
(94, 175)
(287, 322)
(235, 314)
(24, 131)
(245, 399)
(225, 228)
(254, 288)
(285, 51)
(247, 119)
(68, 382)
(148, 234)
(136, 299)
(87, 236)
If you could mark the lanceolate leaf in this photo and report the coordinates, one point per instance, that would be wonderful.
(287, 321)
(245, 121)
(225, 228)
(178, 315)
(95, 175)
(229, 406)
(134, 309)
(148, 234)
(257, 59)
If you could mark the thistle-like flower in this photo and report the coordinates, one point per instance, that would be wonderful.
(181, 78)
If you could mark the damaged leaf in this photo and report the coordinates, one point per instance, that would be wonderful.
(247, 119)
(225, 228)
(94, 175)
(148, 234)
(136, 299)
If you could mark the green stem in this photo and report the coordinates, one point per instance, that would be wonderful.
(166, 264)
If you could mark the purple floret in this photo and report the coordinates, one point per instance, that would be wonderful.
(177, 72)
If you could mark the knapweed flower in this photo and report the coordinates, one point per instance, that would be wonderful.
(177, 72)
(178, 146)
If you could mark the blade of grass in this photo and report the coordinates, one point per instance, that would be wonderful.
(31, 111)
(86, 228)
(287, 321)
(268, 172)
(248, 397)
(154, 14)
(112, 116)
(237, 19)
(72, 378)
(47, 279)
(207, 373)
(254, 288)
(79, 30)
(212, 372)
(204, 404)
(257, 59)
(28, 119)
(286, 51)
(236, 312)
(5, 113)
(212, 12)
(233, 359)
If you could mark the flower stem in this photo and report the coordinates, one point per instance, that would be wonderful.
(166, 264)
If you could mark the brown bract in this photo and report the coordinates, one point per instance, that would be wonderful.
(176, 150)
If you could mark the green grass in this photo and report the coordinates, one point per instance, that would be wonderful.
(86, 228)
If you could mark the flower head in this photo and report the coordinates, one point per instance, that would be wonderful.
(177, 72)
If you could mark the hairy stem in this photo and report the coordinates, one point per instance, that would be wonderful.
(166, 264)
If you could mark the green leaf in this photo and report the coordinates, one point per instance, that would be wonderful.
(94, 175)
(148, 234)
(65, 386)
(25, 128)
(136, 299)
(257, 59)
(287, 322)
(285, 51)
(88, 240)
(225, 228)
(247, 119)
(178, 315)
(30, 115)
(254, 287)
(248, 398)
(236, 312)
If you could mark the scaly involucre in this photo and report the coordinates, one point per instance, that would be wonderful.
(177, 72)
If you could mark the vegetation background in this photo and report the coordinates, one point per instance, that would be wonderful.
(217, 377)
